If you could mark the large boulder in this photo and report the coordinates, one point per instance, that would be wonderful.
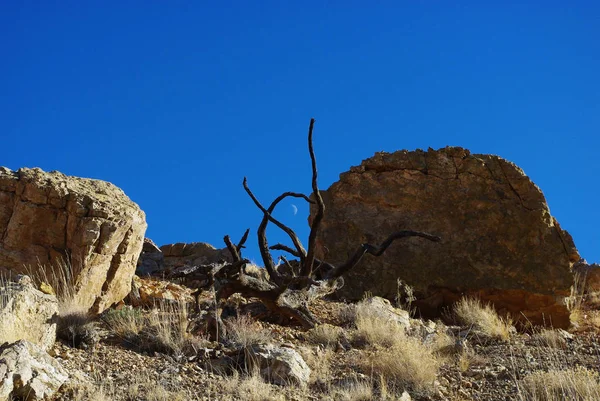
(26, 313)
(28, 373)
(499, 241)
(50, 218)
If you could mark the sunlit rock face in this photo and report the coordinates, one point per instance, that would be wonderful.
(499, 241)
(49, 219)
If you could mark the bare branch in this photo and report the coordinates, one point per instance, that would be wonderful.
(263, 245)
(377, 251)
(233, 250)
(240, 244)
(307, 266)
(285, 248)
(279, 224)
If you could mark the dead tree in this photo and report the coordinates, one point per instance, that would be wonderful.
(288, 294)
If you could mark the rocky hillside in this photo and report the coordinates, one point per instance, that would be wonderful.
(501, 308)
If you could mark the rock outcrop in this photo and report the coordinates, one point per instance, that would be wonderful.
(28, 373)
(151, 259)
(193, 254)
(47, 218)
(164, 260)
(26, 313)
(499, 241)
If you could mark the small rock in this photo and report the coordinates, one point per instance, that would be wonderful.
(279, 365)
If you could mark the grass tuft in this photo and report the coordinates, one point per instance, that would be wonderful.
(483, 319)
(579, 384)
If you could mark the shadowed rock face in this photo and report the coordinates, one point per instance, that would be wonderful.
(46, 218)
(499, 240)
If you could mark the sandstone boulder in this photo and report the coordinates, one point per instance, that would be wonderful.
(27, 372)
(499, 241)
(47, 218)
(26, 313)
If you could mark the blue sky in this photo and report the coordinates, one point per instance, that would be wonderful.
(176, 101)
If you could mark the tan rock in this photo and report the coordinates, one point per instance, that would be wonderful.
(499, 240)
(148, 291)
(26, 313)
(47, 218)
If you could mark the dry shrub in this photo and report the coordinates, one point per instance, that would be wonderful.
(325, 335)
(483, 319)
(579, 384)
(243, 331)
(78, 329)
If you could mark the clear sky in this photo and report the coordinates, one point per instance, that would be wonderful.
(176, 101)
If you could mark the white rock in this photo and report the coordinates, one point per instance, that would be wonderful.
(279, 365)
(27, 314)
(28, 371)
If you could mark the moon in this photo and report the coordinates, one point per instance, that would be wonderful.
(295, 209)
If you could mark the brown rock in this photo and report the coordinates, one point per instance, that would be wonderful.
(192, 254)
(587, 282)
(499, 240)
(47, 218)
(151, 259)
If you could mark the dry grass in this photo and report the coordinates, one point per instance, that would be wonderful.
(399, 359)
(483, 319)
(408, 362)
(373, 330)
(319, 361)
(58, 279)
(325, 335)
(163, 329)
(250, 387)
(243, 332)
(7, 331)
(550, 338)
(579, 384)
(353, 390)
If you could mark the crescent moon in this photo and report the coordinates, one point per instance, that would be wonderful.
(295, 209)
